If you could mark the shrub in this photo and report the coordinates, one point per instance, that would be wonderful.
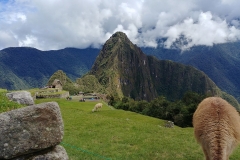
(180, 112)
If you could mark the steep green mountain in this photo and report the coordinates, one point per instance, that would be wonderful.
(60, 75)
(124, 70)
(9, 80)
(120, 67)
(221, 62)
(89, 83)
(24, 67)
(66, 82)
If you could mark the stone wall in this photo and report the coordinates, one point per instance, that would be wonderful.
(31, 133)
(56, 95)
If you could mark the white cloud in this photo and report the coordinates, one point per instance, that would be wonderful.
(7, 39)
(28, 41)
(58, 24)
(205, 31)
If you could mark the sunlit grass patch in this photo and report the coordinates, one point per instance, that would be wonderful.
(117, 134)
(3, 90)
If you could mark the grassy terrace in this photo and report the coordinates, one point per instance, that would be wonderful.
(121, 135)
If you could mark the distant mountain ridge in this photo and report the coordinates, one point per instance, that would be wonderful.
(124, 70)
(24, 67)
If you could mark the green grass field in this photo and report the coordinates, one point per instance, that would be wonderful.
(3, 90)
(122, 135)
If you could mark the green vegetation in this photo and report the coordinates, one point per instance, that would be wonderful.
(124, 70)
(60, 75)
(5, 104)
(220, 62)
(86, 84)
(33, 91)
(89, 84)
(180, 112)
(118, 134)
(66, 82)
(47, 93)
(32, 68)
(230, 99)
(3, 90)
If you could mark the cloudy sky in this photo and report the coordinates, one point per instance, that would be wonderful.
(56, 24)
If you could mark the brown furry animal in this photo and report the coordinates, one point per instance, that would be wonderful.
(217, 128)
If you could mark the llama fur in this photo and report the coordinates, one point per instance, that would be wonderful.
(216, 128)
(97, 107)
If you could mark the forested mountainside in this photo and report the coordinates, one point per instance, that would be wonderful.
(221, 62)
(124, 70)
(23, 67)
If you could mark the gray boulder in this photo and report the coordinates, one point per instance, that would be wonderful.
(30, 129)
(21, 97)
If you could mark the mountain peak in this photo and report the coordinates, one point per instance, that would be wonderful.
(117, 65)
(120, 35)
(115, 48)
(116, 39)
(124, 70)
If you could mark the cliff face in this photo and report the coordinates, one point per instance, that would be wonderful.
(124, 70)
(172, 79)
(221, 62)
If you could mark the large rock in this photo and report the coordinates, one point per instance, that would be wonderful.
(55, 153)
(21, 97)
(30, 129)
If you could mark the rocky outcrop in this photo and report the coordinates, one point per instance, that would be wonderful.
(31, 130)
(21, 97)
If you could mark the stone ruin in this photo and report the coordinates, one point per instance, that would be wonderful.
(32, 133)
(57, 84)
